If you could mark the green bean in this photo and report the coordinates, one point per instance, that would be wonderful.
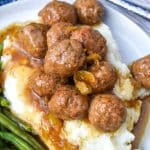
(4, 102)
(2, 144)
(1, 51)
(21, 124)
(1, 65)
(1, 48)
(0, 88)
(9, 124)
(18, 142)
(2, 128)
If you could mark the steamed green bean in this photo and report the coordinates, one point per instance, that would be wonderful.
(9, 124)
(18, 142)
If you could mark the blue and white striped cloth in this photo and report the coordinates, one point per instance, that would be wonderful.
(137, 10)
(2, 2)
(140, 7)
(142, 3)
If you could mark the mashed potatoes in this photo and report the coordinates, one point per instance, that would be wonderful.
(75, 131)
(124, 87)
(89, 138)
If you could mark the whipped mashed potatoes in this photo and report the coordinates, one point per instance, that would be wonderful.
(124, 88)
(85, 135)
(76, 132)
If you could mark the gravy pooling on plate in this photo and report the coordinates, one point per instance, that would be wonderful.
(69, 76)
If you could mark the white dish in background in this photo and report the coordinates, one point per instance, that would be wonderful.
(132, 41)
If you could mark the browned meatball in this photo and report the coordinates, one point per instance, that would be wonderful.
(141, 71)
(68, 103)
(89, 11)
(91, 39)
(58, 32)
(107, 112)
(64, 58)
(32, 38)
(44, 84)
(57, 11)
(105, 76)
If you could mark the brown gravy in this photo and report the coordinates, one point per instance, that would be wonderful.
(10, 30)
(20, 57)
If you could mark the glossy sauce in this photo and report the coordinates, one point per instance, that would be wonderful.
(52, 132)
(9, 31)
(19, 56)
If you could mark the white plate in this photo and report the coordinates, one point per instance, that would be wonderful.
(133, 42)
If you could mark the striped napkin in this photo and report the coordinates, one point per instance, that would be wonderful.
(137, 10)
(2, 2)
(140, 7)
(142, 3)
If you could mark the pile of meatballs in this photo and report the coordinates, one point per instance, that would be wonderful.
(67, 44)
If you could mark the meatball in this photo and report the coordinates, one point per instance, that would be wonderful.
(141, 71)
(32, 38)
(64, 58)
(68, 103)
(107, 112)
(44, 84)
(89, 11)
(58, 32)
(57, 11)
(91, 39)
(105, 76)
